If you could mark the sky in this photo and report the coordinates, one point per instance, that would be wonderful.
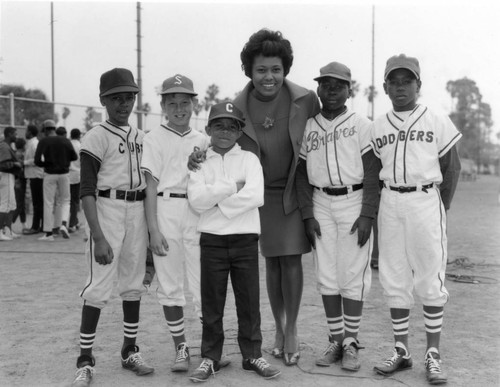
(203, 41)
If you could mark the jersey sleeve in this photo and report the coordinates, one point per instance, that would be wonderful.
(303, 146)
(151, 156)
(94, 144)
(448, 135)
(364, 128)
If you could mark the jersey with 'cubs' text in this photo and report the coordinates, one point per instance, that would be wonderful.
(334, 149)
(409, 145)
(115, 152)
(166, 154)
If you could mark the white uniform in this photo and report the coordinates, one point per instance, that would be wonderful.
(412, 225)
(118, 150)
(166, 153)
(333, 151)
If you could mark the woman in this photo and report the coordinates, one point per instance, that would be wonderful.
(276, 112)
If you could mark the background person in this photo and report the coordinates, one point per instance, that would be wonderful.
(34, 174)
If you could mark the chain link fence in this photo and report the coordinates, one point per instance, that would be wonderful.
(19, 112)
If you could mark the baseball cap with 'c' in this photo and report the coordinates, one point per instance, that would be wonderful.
(117, 81)
(402, 61)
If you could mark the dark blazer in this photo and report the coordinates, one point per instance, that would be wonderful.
(304, 104)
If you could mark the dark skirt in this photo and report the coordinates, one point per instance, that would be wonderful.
(281, 234)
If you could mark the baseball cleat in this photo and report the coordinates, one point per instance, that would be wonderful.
(350, 359)
(182, 359)
(331, 354)
(399, 361)
(64, 232)
(85, 371)
(135, 363)
(206, 368)
(434, 373)
(262, 367)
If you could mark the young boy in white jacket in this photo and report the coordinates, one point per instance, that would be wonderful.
(227, 192)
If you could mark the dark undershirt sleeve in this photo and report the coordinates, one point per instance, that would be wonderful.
(89, 168)
(371, 187)
(450, 169)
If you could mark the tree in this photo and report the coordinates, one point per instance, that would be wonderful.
(472, 117)
(211, 96)
(25, 112)
(355, 88)
(91, 116)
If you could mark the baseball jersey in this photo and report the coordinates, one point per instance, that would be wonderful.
(409, 145)
(330, 149)
(166, 154)
(117, 150)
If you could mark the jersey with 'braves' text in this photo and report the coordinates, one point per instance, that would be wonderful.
(409, 145)
(118, 151)
(334, 149)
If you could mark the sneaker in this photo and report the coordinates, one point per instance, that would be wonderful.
(331, 354)
(182, 359)
(202, 373)
(135, 363)
(64, 231)
(399, 361)
(47, 238)
(30, 231)
(12, 234)
(350, 360)
(4, 237)
(435, 375)
(262, 367)
(85, 371)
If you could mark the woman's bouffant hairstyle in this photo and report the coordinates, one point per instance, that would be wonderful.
(267, 43)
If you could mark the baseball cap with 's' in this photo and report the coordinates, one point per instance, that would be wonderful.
(178, 84)
(117, 80)
(226, 110)
(402, 61)
(335, 70)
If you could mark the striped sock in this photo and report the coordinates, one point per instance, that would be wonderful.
(433, 321)
(352, 324)
(335, 325)
(88, 327)
(176, 328)
(400, 326)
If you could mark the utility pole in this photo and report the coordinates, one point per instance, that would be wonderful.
(139, 66)
(373, 63)
(52, 47)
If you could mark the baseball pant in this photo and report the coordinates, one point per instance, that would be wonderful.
(342, 267)
(124, 226)
(7, 192)
(178, 222)
(413, 248)
(235, 255)
(56, 199)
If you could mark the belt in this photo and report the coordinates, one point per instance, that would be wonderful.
(403, 189)
(175, 195)
(129, 196)
(340, 191)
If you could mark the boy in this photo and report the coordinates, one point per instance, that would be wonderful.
(227, 191)
(112, 193)
(174, 241)
(420, 169)
(336, 159)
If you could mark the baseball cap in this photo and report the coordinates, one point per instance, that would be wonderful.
(226, 110)
(178, 84)
(402, 61)
(117, 80)
(335, 70)
(49, 124)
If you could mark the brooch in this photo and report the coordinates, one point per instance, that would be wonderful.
(268, 123)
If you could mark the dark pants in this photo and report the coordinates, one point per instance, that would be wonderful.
(20, 191)
(36, 187)
(221, 256)
(74, 205)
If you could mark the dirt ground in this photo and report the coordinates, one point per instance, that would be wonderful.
(40, 317)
